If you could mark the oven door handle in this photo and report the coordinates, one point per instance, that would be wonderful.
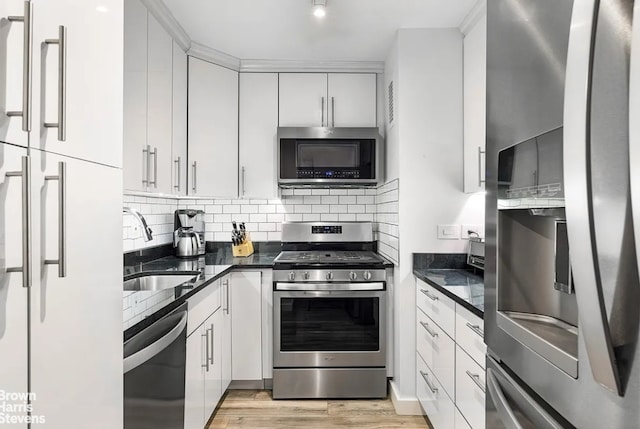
(334, 287)
(318, 292)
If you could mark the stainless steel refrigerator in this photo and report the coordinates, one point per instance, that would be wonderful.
(562, 297)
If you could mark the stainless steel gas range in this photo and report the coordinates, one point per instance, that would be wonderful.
(329, 309)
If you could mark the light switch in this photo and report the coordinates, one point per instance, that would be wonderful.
(448, 232)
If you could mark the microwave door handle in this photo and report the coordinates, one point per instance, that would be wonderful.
(634, 125)
(322, 114)
(579, 208)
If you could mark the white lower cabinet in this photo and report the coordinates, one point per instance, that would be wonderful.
(246, 325)
(450, 347)
(470, 389)
(225, 334)
(437, 405)
(213, 374)
(194, 380)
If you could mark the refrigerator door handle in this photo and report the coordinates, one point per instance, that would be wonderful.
(579, 204)
(634, 125)
(502, 406)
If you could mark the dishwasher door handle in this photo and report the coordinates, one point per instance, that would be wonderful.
(142, 356)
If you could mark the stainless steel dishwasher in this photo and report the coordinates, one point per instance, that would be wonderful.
(154, 374)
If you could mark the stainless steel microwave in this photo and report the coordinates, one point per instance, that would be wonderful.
(329, 157)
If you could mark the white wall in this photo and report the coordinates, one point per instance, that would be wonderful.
(427, 138)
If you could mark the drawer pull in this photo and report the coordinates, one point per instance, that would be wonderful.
(426, 380)
(476, 379)
(476, 329)
(428, 329)
(430, 296)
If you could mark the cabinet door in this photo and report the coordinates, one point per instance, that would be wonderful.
(13, 294)
(213, 130)
(93, 86)
(267, 324)
(470, 389)
(303, 100)
(213, 376)
(225, 334)
(257, 139)
(13, 83)
(475, 72)
(434, 401)
(160, 99)
(179, 142)
(76, 320)
(352, 100)
(246, 325)
(135, 96)
(194, 379)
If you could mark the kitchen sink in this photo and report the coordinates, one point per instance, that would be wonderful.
(160, 281)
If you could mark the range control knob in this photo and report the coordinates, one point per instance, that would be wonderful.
(353, 275)
(306, 275)
(292, 276)
(329, 275)
(367, 275)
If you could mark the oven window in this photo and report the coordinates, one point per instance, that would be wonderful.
(329, 324)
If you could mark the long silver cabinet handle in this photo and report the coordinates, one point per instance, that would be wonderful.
(333, 111)
(25, 174)
(428, 329)
(476, 379)
(154, 153)
(243, 180)
(579, 209)
(429, 385)
(226, 284)
(322, 118)
(195, 171)
(212, 349)
(61, 125)
(480, 153)
(145, 164)
(61, 262)
(476, 329)
(177, 163)
(429, 295)
(634, 125)
(206, 350)
(26, 67)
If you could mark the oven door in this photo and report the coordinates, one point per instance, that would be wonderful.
(329, 328)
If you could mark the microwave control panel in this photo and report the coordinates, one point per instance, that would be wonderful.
(310, 173)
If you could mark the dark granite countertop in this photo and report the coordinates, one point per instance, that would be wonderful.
(449, 274)
(148, 306)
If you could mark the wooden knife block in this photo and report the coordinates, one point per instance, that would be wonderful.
(243, 250)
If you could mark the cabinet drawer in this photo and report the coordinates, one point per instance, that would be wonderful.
(437, 306)
(469, 395)
(460, 422)
(469, 328)
(437, 350)
(202, 305)
(435, 403)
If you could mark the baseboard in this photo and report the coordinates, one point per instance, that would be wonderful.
(247, 385)
(407, 406)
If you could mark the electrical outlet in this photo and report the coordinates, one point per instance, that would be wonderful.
(464, 230)
(448, 232)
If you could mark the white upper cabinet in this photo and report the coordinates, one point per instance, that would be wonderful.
(327, 100)
(135, 95)
(179, 144)
(159, 105)
(352, 100)
(12, 96)
(77, 79)
(303, 100)
(475, 76)
(257, 139)
(213, 130)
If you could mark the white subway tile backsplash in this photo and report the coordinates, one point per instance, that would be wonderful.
(366, 199)
(302, 208)
(329, 217)
(344, 217)
(302, 192)
(258, 217)
(266, 208)
(332, 199)
(231, 208)
(319, 192)
(311, 217)
(336, 208)
(354, 208)
(312, 199)
(320, 208)
(275, 217)
(337, 192)
(347, 199)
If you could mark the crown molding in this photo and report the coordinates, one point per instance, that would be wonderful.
(474, 15)
(311, 66)
(214, 56)
(164, 16)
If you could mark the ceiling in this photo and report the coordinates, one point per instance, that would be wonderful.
(353, 30)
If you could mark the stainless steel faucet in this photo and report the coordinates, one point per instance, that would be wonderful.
(147, 233)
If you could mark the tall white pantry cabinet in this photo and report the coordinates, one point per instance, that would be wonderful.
(60, 213)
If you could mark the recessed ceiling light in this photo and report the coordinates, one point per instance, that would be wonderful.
(319, 8)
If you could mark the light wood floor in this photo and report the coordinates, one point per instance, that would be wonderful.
(256, 409)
